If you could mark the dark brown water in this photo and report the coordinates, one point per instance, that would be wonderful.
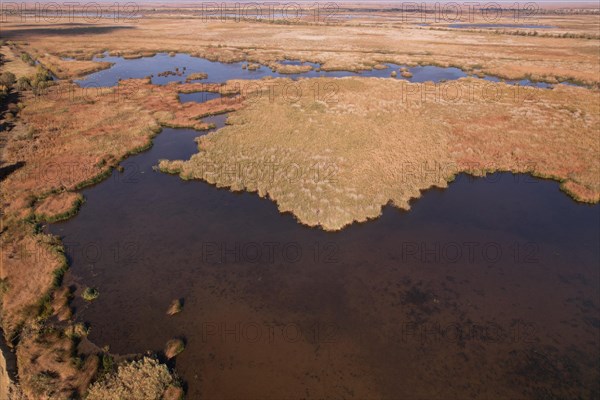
(488, 289)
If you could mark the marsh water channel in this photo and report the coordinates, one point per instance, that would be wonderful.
(486, 289)
(220, 72)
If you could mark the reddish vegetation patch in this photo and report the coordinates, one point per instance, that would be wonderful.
(47, 366)
(66, 69)
(173, 393)
(60, 303)
(291, 69)
(554, 135)
(581, 192)
(65, 139)
(70, 136)
(55, 205)
(24, 251)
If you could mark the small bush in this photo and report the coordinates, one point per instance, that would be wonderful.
(78, 330)
(4, 286)
(8, 79)
(41, 75)
(144, 379)
(23, 83)
(40, 87)
(108, 365)
(44, 383)
(90, 294)
(175, 307)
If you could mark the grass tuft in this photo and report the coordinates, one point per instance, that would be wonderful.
(174, 347)
(175, 307)
(90, 294)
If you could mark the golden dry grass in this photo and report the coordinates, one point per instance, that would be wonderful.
(333, 163)
(144, 379)
(290, 69)
(60, 303)
(13, 62)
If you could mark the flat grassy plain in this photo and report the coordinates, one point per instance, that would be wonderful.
(337, 46)
(371, 142)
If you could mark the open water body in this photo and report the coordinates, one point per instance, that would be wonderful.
(486, 289)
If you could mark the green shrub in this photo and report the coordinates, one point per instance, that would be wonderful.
(44, 383)
(41, 75)
(27, 59)
(40, 87)
(23, 83)
(108, 365)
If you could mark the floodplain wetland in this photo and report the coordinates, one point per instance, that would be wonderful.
(366, 201)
